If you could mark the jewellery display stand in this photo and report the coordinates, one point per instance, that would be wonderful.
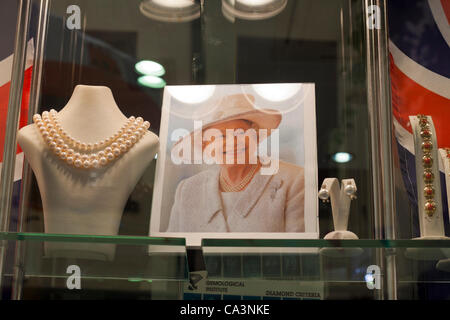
(444, 264)
(428, 188)
(86, 200)
(340, 199)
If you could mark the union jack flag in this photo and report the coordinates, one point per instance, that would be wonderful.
(419, 49)
(8, 20)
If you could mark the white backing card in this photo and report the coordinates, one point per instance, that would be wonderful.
(297, 146)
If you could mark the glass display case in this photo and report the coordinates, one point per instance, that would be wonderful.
(95, 206)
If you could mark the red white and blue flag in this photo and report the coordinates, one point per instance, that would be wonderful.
(8, 20)
(419, 49)
(8, 16)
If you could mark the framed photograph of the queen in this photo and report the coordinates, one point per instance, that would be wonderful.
(237, 161)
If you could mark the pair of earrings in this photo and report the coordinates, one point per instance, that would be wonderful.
(324, 194)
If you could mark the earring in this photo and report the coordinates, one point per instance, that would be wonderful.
(350, 190)
(324, 195)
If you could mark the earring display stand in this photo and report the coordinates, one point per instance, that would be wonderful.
(428, 188)
(340, 198)
(444, 264)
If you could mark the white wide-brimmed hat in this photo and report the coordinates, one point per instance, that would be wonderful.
(239, 107)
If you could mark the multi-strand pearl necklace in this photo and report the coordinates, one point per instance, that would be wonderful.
(88, 155)
(427, 163)
(227, 186)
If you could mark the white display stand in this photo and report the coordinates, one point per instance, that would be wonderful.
(444, 264)
(340, 198)
(431, 227)
(86, 201)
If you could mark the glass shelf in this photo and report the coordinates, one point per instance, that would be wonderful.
(81, 238)
(321, 243)
(157, 268)
(339, 266)
(268, 243)
(135, 264)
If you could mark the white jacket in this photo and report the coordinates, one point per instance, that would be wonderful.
(270, 203)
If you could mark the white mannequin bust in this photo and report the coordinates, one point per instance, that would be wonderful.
(86, 201)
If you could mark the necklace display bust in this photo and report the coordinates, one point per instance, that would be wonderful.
(89, 201)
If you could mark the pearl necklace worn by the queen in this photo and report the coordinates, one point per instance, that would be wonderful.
(227, 186)
(89, 155)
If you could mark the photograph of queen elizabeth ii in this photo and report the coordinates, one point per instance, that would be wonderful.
(237, 161)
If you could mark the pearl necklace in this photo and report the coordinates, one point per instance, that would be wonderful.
(227, 186)
(88, 155)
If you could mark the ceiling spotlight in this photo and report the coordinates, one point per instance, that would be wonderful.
(252, 9)
(170, 10)
(342, 157)
(151, 82)
(151, 68)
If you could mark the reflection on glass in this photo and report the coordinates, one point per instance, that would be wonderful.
(170, 10)
(151, 68)
(152, 82)
(342, 157)
(252, 9)
(192, 94)
(277, 92)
